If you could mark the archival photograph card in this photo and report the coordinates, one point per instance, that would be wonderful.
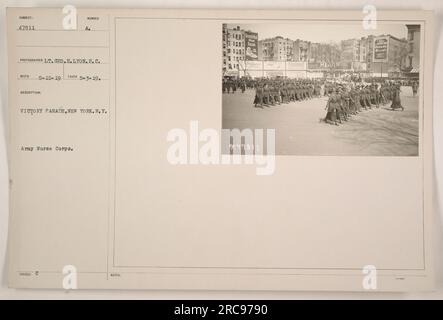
(220, 149)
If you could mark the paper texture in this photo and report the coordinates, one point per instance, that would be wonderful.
(102, 195)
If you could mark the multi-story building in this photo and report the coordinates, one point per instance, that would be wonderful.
(392, 54)
(367, 51)
(358, 54)
(233, 48)
(318, 55)
(363, 50)
(350, 53)
(413, 57)
(275, 49)
(397, 54)
(390, 57)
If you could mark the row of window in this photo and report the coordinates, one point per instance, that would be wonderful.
(236, 43)
(235, 58)
(236, 51)
(236, 36)
(231, 65)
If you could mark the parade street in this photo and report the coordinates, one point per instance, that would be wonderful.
(301, 131)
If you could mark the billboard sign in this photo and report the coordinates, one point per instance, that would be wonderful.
(251, 45)
(381, 49)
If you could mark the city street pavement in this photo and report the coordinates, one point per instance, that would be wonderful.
(301, 131)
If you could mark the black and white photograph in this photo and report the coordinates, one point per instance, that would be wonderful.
(335, 89)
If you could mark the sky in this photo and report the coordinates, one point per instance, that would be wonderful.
(322, 32)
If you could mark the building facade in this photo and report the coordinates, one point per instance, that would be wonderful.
(350, 57)
(383, 54)
(233, 48)
(318, 55)
(395, 55)
(377, 55)
(275, 49)
(413, 57)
